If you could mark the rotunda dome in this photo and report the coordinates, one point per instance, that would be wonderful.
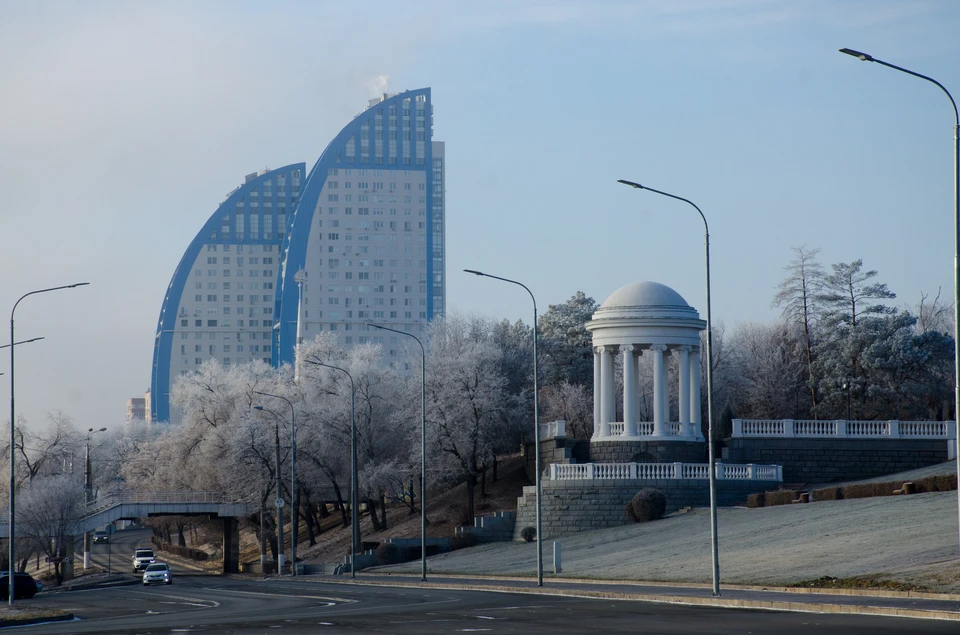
(644, 294)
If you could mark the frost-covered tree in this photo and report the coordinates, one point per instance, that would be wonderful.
(798, 296)
(565, 343)
(769, 369)
(846, 292)
(49, 510)
(572, 403)
(467, 399)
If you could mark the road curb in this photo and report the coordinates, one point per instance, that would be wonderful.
(36, 620)
(878, 593)
(718, 602)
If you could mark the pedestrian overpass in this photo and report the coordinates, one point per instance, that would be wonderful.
(133, 505)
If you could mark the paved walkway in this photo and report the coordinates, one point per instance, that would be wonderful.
(888, 603)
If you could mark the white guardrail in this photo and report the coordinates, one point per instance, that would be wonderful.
(625, 471)
(808, 428)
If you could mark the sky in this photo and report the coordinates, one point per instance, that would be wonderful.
(124, 124)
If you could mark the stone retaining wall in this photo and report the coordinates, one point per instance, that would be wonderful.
(831, 460)
(572, 506)
(647, 452)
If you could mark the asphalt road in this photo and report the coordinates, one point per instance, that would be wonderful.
(200, 603)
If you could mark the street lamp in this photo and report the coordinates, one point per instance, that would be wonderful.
(32, 339)
(87, 490)
(13, 419)
(280, 555)
(354, 523)
(712, 479)
(294, 515)
(423, 448)
(956, 235)
(536, 417)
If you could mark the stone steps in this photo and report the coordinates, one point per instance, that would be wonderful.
(495, 528)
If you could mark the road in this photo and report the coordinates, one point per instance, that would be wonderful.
(201, 603)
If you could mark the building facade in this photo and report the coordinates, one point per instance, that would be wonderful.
(361, 236)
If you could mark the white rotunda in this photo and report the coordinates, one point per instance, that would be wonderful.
(646, 318)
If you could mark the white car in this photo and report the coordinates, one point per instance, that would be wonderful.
(157, 573)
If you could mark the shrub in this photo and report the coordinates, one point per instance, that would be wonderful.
(529, 534)
(388, 553)
(648, 504)
(938, 483)
(628, 512)
(827, 494)
(756, 500)
(781, 497)
(869, 490)
(462, 541)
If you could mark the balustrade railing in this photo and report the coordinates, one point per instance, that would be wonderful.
(808, 428)
(627, 471)
(644, 428)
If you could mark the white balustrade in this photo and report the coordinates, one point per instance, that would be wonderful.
(553, 430)
(809, 428)
(645, 428)
(617, 429)
(624, 471)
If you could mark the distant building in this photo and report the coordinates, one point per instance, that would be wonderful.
(365, 231)
(136, 409)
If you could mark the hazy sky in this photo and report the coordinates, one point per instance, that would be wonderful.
(123, 125)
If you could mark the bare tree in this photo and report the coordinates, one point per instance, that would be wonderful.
(797, 296)
(49, 512)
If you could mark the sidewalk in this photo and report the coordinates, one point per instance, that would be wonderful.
(886, 603)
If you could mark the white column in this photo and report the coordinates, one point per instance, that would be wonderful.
(629, 391)
(636, 383)
(597, 397)
(658, 400)
(683, 382)
(695, 392)
(666, 389)
(608, 405)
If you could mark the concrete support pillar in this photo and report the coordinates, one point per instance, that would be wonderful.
(629, 391)
(608, 404)
(695, 392)
(597, 396)
(683, 382)
(659, 428)
(231, 545)
(67, 553)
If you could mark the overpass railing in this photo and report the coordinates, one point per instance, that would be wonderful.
(112, 499)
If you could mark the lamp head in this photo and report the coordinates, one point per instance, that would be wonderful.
(79, 284)
(630, 183)
(863, 57)
(258, 407)
(475, 272)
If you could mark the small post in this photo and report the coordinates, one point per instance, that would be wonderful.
(556, 557)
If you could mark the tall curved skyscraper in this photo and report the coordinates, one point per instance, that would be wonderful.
(365, 233)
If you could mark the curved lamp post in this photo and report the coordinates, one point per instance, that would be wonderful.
(536, 416)
(423, 448)
(354, 523)
(294, 514)
(276, 423)
(87, 490)
(13, 419)
(713, 476)
(864, 57)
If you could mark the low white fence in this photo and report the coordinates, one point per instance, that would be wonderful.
(809, 428)
(625, 471)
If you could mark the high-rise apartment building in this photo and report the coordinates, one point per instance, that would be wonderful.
(364, 231)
